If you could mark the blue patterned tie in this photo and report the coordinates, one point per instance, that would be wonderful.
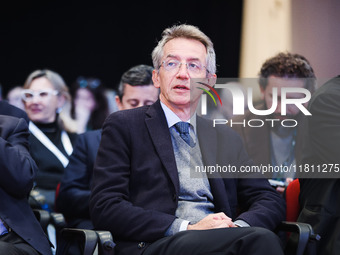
(183, 129)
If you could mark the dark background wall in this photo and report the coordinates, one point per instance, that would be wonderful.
(105, 39)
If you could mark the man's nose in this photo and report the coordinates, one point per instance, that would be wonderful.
(183, 71)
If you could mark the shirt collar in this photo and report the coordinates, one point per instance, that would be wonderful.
(172, 118)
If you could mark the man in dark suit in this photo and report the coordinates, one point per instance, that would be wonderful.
(142, 189)
(21, 232)
(135, 89)
(319, 197)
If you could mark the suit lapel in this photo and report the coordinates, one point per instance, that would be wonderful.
(159, 132)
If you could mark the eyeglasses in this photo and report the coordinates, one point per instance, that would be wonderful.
(194, 67)
(27, 94)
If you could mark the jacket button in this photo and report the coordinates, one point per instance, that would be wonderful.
(141, 245)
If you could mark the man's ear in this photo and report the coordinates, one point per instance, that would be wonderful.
(212, 79)
(119, 103)
(155, 78)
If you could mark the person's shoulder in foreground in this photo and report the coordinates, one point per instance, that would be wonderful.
(7, 109)
(20, 230)
(319, 196)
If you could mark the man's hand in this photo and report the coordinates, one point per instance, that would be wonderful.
(216, 220)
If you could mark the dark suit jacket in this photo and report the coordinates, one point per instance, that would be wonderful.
(8, 109)
(18, 170)
(319, 198)
(323, 133)
(257, 140)
(76, 181)
(135, 183)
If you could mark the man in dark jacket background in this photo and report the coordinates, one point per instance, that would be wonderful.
(20, 232)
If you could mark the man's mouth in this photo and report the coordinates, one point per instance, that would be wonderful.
(182, 87)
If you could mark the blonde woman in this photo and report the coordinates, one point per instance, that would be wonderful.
(45, 94)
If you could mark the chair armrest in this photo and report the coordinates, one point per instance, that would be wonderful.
(58, 220)
(59, 223)
(105, 243)
(85, 236)
(304, 233)
(43, 217)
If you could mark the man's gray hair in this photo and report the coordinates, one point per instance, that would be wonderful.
(189, 32)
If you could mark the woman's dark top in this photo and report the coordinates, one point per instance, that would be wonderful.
(50, 168)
